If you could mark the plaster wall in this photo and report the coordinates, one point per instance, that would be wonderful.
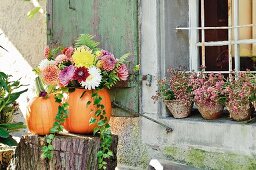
(25, 40)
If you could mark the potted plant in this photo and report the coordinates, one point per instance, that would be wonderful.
(208, 94)
(239, 91)
(84, 73)
(176, 93)
(9, 93)
(253, 95)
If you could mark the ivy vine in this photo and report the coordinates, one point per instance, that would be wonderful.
(102, 129)
(57, 126)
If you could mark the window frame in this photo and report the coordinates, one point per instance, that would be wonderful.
(195, 43)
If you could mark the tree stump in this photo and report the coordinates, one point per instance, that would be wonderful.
(71, 152)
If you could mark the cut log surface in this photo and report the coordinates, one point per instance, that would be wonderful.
(71, 152)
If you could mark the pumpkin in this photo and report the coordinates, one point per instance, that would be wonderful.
(80, 113)
(41, 114)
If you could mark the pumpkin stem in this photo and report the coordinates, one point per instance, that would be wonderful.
(40, 87)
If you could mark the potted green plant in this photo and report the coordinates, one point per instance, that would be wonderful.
(176, 93)
(9, 93)
(239, 92)
(208, 94)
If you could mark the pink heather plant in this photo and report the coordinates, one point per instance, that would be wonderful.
(179, 84)
(239, 91)
(207, 88)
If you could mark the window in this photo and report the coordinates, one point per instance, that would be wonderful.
(222, 34)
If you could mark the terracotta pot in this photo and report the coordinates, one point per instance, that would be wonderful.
(179, 109)
(80, 113)
(242, 113)
(210, 112)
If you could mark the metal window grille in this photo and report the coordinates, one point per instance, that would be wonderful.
(233, 28)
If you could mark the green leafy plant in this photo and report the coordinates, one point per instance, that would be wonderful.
(8, 95)
(5, 129)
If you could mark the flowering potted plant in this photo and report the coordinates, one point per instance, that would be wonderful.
(238, 92)
(253, 95)
(84, 72)
(176, 93)
(208, 94)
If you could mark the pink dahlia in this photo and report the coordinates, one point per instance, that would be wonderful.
(68, 51)
(81, 74)
(61, 58)
(108, 62)
(122, 72)
(50, 75)
(66, 75)
(47, 52)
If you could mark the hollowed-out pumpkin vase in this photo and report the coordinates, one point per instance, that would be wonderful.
(210, 112)
(242, 113)
(179, 109)
(80, 112)
(41, 113)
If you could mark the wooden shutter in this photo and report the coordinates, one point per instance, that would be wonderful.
(115, 25)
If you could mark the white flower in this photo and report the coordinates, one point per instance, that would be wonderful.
(45, 63)
(93, 80)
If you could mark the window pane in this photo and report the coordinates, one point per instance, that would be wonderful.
(216, 58)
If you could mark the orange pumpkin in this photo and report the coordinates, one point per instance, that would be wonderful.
(80, 113)
(41, 114)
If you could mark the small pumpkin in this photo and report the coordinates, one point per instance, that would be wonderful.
(41, 114)
(80, 113)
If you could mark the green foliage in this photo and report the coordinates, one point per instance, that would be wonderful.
(5, 136)
(8, 92)
(57, 126)
(109, 79)
(103, 129)
(87, 40)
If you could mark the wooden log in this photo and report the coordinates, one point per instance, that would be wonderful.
(71, 152)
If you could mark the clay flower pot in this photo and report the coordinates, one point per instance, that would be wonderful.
(244, 112)
(210, 112)
(179, 109)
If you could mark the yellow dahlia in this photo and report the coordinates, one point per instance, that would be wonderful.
(83, 57)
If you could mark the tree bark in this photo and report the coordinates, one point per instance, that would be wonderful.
(71, 152)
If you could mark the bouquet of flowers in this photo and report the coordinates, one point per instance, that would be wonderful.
(85, 66)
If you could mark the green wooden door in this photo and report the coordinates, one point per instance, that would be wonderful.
(113, 22)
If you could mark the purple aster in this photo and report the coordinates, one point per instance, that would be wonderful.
(66, 75)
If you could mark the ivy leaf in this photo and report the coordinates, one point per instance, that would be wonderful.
(92, 120)
(98, 112)
(101, 122)
(97, 101)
